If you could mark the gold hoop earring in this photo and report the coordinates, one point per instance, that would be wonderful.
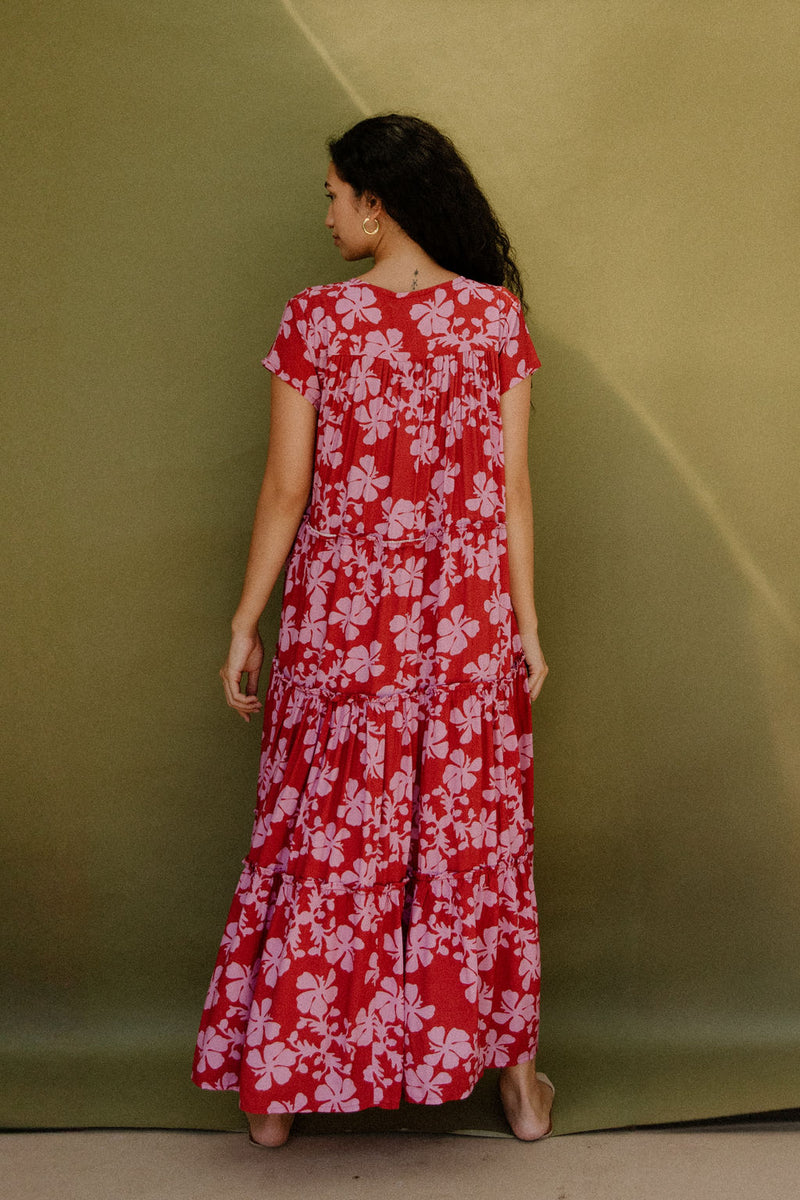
(370, 232)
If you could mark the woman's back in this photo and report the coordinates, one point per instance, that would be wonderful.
(404, 579)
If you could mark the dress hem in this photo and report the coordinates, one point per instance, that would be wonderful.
(387, 1106)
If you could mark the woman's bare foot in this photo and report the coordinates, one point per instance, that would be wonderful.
(527, 1101)
(269, 1129)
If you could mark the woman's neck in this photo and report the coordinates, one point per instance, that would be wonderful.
(403, 266)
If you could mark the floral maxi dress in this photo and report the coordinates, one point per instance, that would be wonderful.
(383, 940)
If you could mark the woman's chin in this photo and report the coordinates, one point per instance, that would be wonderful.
(351, 255)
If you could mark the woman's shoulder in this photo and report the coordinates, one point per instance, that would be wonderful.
(467, 291)
(496, 295)
(322, 293)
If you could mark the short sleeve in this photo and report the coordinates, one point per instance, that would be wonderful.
(291, 358)
(518, 358)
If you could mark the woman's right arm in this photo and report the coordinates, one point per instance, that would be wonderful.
(514, 413)
(281, 504)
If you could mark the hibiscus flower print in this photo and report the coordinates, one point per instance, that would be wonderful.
(260, 1026)
(363, 662)
(271, 1063)
(329, 446)
(417, 1012)
(485, 667)
(448, 1046)
(505, 734)
(351, 611)
(468, 291)
(337, 1094)
(424, 1083)
(425, 446)
(341, 946)
(468, 719)
(356, 802)
(486, 498)
(273, 959)
(518, 1010)
(358, 305)
(386, 345)
(405, 628)
(364, 482)
(444, 481)
(401, 517)
(420, 948)
(375, 418)
(239, 984)
(318, 328)
(433, 316)
(389, 999)
(372, 757)
(401, 782)
(470, 980)
(485, 565)
(436, 742)
(315, 994)
(214, 1047)
(326, 844)
(454, 632)
(369, 1028)
(461, 772)
(497, 1045)
(530, 965)
(405, 578)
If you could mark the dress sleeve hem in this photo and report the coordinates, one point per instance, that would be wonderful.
(309, 393)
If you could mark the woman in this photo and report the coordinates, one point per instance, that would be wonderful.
(383, 939)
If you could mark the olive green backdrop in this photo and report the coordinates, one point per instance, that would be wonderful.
(165, 198)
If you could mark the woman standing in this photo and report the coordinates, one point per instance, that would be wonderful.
(383, 939)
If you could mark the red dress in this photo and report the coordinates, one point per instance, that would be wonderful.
(383, 939)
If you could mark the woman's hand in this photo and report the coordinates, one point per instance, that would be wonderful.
(534, 660)
(245, 656)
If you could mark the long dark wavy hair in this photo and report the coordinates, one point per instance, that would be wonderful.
(425, 185)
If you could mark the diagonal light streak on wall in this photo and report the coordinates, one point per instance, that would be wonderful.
(739, 553)
(323, 53)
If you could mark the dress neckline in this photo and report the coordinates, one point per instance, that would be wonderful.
(411, 292)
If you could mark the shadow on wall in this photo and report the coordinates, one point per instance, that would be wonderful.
(667, 855)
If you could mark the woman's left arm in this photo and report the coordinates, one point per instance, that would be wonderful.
(281, 504)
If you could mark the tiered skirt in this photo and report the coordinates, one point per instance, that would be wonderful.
(382, 943)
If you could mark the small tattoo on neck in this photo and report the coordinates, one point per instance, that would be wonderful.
(416, 277)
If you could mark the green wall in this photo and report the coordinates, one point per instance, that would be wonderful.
(164, 199)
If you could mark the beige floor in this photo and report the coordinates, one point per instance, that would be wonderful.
(735, 1162)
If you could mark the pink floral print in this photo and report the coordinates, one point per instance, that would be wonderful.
(383, 941)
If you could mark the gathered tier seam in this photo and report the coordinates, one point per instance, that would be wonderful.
(334, 885)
